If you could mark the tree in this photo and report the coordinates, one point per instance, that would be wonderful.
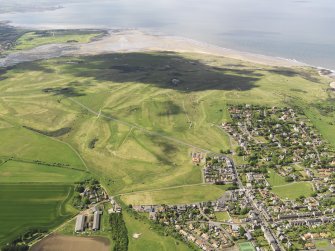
(242, 231)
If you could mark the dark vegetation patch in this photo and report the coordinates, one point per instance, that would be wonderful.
(289, 72)
(65, 91)
(169, 150)
(31, 66)
(8, 36)
(297, 90)
(128, 68)
(119, 232)
(92, 143)
(325, 109)
(159, 69)
(57, 133)
(170, 108)
(3, 72)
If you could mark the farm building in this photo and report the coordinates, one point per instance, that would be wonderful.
(80, 223)
(96, 220)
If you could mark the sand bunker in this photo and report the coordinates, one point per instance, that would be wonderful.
(71, 243)
(136, 235)
(332, 85)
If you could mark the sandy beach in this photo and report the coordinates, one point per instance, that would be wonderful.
(138, 41)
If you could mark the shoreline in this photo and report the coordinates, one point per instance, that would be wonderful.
(134, 40)
(192, 44)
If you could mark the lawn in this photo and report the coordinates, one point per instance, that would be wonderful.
(222, 216)
(323, 244)
(179, 195)
(25, 206)
(149, 240)
(293, 190)
(246, 246)
(275, 179)
(20, 172)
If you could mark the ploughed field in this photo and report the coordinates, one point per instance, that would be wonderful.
(132, 120)
(68, 243)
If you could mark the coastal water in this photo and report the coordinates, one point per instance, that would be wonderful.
(295, 29)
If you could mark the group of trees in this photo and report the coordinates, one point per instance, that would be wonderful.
(119, 232)
(15, 247)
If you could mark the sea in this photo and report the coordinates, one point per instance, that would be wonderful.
(302, 30)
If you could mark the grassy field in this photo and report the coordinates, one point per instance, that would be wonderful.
(179, 195)
(293, 190)
(246, 246)
(19, 172)
(323, 245)
(149, 240)
(275, 179)
(34, 39)
(25, 206)
(22, 143)
(222, 216)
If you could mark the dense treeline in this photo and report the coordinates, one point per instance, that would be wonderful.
(119, 232)
(14, 247)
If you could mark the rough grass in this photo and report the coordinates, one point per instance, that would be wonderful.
(179, 195)
(293, 190)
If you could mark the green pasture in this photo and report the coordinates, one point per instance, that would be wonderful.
(26, 206)
(21, 172)
(22, 143)
(293, 190)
